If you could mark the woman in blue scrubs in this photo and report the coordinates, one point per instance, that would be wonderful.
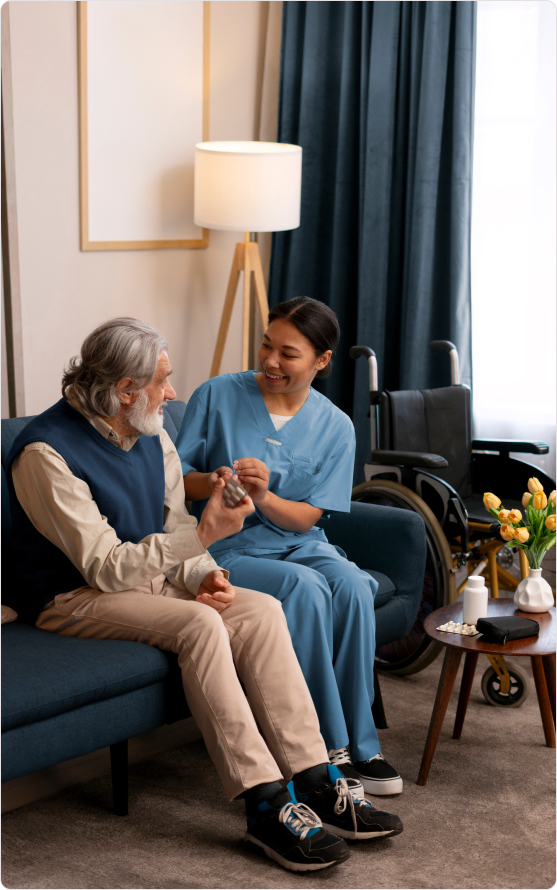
(293, 451)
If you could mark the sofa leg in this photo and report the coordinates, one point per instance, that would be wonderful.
(119, 769)
(377, 708)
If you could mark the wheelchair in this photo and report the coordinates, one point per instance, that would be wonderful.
(423, 458)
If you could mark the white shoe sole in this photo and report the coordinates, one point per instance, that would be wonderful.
(291, 866)
(360, 836)
(378, 787)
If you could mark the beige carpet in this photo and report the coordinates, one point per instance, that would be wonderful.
(485, 819)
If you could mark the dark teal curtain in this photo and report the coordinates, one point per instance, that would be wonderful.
(380, 95)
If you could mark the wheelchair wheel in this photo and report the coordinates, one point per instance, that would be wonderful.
(416, 650)
(518, 693)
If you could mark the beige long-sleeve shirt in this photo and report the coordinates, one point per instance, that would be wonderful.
(61, 507)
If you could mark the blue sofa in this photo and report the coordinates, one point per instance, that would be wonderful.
(64, 697)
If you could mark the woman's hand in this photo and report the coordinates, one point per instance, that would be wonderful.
(254, 475)
(215, 591)
(200, 486)
(222, 473)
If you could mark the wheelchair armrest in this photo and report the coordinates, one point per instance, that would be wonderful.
(408, 459)
(506, 445)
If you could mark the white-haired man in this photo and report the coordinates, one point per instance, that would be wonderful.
(103, 547)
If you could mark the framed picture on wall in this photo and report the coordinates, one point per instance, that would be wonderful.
(143, 105)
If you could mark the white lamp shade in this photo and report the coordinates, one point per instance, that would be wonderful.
(247, 186)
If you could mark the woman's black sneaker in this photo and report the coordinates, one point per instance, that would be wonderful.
(292, 835)
(345, 813)
(377, 776)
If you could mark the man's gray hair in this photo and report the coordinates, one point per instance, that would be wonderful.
(121, 347)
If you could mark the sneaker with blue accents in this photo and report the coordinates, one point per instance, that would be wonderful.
(291, 834)
(346, 813)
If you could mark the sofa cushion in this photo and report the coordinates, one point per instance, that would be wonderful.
(64, 673)
(386, 588)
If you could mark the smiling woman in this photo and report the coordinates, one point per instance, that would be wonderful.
(293, 451)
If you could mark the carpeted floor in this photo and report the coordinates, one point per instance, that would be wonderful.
(486, 818)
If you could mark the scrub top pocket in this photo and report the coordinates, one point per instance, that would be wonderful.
(301, 482)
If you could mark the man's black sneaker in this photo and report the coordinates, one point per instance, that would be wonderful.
(340, 757)
(377, 776)
(292, 835)
(346, 814)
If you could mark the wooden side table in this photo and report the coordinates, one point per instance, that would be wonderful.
(541, 650)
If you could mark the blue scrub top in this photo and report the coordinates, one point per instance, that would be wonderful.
(311, 459)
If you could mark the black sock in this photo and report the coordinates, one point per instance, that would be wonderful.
(259, 793)
(310, 778)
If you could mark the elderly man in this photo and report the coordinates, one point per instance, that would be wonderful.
(105, 549)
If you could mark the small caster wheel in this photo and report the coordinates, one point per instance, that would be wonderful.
(518, 693)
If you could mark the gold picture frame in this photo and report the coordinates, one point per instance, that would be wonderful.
(85, 243)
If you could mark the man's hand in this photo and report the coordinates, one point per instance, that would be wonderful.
(254, 476)
(218, 521)
(222, 473)
(215, 591)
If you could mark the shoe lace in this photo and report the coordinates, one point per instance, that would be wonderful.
(347, 796)
(377, 757)
(299, 818)
(338, 756)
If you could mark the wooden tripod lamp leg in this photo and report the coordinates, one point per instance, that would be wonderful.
(248, 260)
(260, 291)
(237, 266)
(247, 302)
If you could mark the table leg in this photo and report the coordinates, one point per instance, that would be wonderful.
(543, 700)
(446, 683)
(549, 670)
(470, 663)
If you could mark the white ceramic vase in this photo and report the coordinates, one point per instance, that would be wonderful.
(534, 594)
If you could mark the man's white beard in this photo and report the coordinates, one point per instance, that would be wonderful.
(142, 419)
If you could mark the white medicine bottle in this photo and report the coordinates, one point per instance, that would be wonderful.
(474, 601)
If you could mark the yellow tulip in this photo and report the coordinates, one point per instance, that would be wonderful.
(550, 522)
(534, 485)
(491, 501)
(552, 498)
(507, 532)
(540, 501)
(521, 535)
(526, 498)
(503, 517)
(514, 516)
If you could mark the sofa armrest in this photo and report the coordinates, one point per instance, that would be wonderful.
(387, 539)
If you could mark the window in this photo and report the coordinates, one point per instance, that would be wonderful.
(513, 223)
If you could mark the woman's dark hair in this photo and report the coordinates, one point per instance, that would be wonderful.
(315, 321)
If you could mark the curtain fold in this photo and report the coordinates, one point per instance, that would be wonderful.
(380, 96)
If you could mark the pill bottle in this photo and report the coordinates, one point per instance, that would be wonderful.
(474, 601)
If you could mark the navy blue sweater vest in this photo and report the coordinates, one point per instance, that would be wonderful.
(127, 486)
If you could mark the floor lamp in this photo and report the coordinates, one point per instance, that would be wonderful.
(246, 187)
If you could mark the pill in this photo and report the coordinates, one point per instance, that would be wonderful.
(465, 625)
(451, 622)
(458, 624)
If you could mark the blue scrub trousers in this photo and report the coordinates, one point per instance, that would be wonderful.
(328, 604)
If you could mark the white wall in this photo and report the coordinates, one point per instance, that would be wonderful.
(65, 293)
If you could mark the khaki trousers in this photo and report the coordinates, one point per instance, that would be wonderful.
(248, 642)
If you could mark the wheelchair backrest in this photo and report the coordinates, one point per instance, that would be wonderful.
(434, 421)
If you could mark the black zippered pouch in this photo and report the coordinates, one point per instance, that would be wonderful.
(509, 627)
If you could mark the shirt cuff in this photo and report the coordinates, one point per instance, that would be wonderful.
(199, 571)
